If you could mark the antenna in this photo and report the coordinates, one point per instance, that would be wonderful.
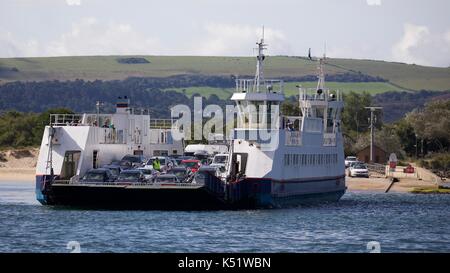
(262, 40)
(259, 76)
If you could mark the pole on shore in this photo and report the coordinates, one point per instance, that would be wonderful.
(372, 130)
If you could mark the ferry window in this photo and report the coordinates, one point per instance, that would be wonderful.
(95, 159)
(160, 153)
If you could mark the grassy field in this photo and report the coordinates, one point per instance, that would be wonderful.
(290, 88)
(412, 77)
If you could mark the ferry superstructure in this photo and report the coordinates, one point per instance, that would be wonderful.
(74, 143)
(303, 157)
(274, 160)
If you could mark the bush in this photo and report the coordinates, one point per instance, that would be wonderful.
(424, 164)
(440, 162)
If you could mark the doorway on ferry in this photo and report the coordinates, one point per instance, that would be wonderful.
(239, 164)
(70, 164)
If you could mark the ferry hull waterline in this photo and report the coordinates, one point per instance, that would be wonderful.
(246, 194)
(302, 161)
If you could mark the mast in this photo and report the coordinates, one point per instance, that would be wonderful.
(321, 76)
(259, 76)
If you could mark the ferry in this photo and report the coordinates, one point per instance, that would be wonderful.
(273, 161)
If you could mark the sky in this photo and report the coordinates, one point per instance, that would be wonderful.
(410, 31)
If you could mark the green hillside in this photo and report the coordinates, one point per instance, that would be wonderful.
(400, 76)
(290, 88)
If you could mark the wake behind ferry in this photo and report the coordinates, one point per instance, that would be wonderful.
(301, 162)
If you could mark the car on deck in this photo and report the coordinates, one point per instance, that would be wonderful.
(192, 164)
(131, 176)
(115, 169)
(181, 172)
(149, 173)
(132, 161)
(100, 175)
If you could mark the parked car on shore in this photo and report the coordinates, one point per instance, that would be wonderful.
(349, 160)
(358, 169)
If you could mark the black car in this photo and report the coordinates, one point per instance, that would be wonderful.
(130, 161)
(98, 176)
(115, 169)
(130, 176)
(181, 172)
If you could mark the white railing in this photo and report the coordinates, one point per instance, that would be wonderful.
(66, 119)
(293, 138)
(250, 86)
(161, 123)
(312, 95)
(257, 135)
(329, 139)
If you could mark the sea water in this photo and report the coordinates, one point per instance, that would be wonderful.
(396, 222)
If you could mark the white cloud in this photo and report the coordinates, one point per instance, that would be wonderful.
(12, 47)
(90, 37)
(373, 2)
(238, 40)
(419, 45)
(73, 2)
(87, 36)
(447, 37)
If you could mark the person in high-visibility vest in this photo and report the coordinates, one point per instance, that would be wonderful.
(156, 165)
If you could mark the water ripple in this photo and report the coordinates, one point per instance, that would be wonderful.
(400, 222)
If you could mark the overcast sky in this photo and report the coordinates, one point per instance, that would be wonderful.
(412, 31)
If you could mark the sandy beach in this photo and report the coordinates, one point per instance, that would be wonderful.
(17, 174)
(379, 184)
(18, 165)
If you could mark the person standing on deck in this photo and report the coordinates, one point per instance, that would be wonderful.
(156, 164)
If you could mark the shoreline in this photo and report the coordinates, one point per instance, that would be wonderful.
(17, 174)
(372, 184)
